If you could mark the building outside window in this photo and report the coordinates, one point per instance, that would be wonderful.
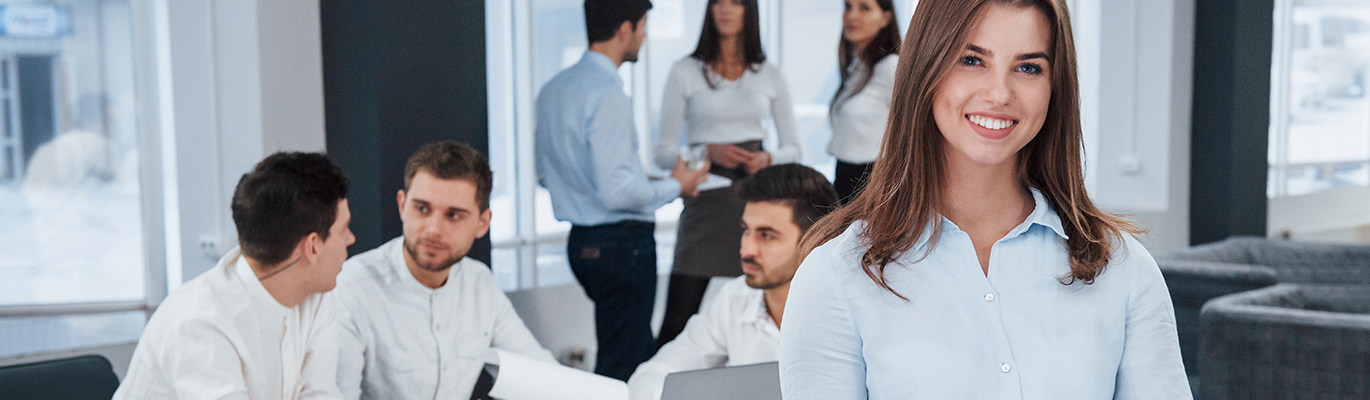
(1320, 112)
(71, 225)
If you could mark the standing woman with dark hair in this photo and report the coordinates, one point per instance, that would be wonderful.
(974, 265)
(866, 58)
(720, 96)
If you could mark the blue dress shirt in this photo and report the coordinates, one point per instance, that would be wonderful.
(587, 148)
(1017, 333)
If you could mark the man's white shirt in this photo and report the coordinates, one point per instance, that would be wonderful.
(222, 336)
(398, 339)
(733, 328)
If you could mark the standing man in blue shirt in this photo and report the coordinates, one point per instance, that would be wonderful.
(587, 157)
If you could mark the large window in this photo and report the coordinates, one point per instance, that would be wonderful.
(1320, 112)
(71, 200)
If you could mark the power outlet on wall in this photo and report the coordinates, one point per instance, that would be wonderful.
(209, 246)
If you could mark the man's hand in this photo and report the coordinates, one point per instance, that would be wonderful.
(728, 156)
(689, 179)
(757, 161)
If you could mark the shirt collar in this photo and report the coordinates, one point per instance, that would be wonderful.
(253, 286)
(400, 271)
(601, 62)
(1042, 214)
(755, 311)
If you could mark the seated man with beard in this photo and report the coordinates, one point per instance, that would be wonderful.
(415, 315)
(741, 324)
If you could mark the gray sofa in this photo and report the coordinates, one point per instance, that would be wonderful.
(1288, 341)
(1238, 264)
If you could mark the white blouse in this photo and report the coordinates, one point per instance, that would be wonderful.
(858, 120)
(731, 112)
(1016, 333)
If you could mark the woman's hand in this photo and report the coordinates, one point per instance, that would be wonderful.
(729, 156)
(757, 161)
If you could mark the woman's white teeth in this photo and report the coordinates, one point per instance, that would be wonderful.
(991, 123)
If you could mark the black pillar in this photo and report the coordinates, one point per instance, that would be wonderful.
(1231, 119)
(398, 75)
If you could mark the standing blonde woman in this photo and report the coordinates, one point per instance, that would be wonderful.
(867, 56)
(720, 97)
(974, 265)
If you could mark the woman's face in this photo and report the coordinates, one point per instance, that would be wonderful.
(862, 20)
(995, 97)
(728, 16)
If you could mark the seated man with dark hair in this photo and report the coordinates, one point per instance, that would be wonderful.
(258, 325)
(416, 316)
(741, 324)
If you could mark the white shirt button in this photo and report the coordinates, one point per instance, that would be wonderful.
(1004, 368)
(989, 297)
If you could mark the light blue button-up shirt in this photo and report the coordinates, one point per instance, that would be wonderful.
(1017, 333)
(587, 148)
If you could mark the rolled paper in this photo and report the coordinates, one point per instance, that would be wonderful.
(523, 378)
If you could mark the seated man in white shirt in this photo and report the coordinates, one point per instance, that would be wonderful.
(259, 324)
(741, 324)
(415, 314)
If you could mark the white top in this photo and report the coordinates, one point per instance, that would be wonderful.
(858, 120)
(1015, 334)
(222, 336)
(732, 112)
(399, 339)
(734, 328)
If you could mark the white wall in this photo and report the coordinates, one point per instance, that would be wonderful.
(1136, 85)
(245, 80)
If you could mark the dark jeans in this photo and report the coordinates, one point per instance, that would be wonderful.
(616, 265)
(683, 297)
(849, 179)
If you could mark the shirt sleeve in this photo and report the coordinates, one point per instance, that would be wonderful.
(782, 113)
(203, 363)
(509, 332)
(351, 353)
(1151, 367)
(820, 349)
(702, 344)
(673, 103)
(620, 181)
(318, 375)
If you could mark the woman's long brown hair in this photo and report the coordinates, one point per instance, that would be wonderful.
(708, 47)
(885, 42)
(907, 180)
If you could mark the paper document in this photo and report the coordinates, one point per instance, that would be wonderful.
(523, 378)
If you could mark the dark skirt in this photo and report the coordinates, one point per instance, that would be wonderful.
(709, 236)
(849, 179)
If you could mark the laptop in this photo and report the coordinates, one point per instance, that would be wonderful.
(743, 382)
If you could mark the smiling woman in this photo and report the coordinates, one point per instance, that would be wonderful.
(975, 264)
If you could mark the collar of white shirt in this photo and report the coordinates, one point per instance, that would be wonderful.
(756, 310)
(399, 270)
(254, 288)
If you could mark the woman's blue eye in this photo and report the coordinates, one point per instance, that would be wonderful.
(970, 61)
(1030, 69)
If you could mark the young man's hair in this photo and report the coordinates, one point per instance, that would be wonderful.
(452, 160)
(805, 190)
(603, 17)
(283, 199)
